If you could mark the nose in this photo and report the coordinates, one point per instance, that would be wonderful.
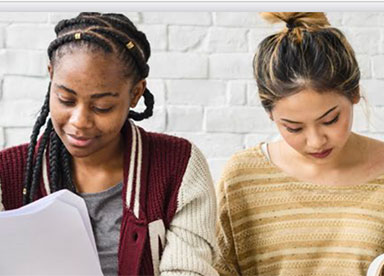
(316, 139)
(81, 118)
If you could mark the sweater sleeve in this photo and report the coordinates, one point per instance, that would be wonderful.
(190, 240)
(12, 167)
(1, 199)
(226, 259)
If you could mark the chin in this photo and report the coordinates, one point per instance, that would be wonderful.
(78, 153)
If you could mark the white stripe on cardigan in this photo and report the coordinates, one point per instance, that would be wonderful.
(131, 167)
(45, 174)
(136, 150)
(136, 203)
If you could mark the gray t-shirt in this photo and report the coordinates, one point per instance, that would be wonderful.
(106, 211)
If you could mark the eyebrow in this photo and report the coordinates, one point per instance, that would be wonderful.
(322, 116)
(93, 96)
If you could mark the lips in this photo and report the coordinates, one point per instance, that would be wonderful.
(322, 154)
(79, 141)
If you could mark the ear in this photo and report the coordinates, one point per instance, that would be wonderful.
(356, 98)
(137, 91)
(50, 70)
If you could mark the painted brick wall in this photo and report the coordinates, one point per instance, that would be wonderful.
(201, 75)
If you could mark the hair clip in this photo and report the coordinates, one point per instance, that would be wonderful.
(77, 36)
(130, 45)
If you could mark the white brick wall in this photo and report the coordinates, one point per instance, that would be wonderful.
(201, 75)
(237, 92)
(187, 38)
(228, 40)
(196, 92)
(172, 65)
(23, 36)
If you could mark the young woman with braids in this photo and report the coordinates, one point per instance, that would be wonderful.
(150, 196)
(310, 203)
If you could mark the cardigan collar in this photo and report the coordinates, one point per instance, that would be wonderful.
(135, 169)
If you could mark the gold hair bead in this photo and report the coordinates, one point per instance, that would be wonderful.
(77, 35)
(130, 45)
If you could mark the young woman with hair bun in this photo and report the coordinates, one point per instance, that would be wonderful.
(149, 196)
(310, 203)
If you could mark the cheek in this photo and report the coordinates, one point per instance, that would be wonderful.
(109, 125)
(342, 130)
(113, 122)
(58, 115)
(295, 141)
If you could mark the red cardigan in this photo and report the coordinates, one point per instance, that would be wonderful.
(154, 166)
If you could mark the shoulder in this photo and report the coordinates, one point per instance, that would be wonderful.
(167, 143)
(14, 155)
(181, 151)
(245, 161)
(12, 166)
(166, 152)
(378, 148)
(376, 153)
(170, 152)
(369, 153)
(12, 160)
(165, 140)
(155, 143)
(182, 166)
(243, 167)
(197, 181)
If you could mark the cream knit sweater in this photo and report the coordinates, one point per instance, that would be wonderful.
(191, 239)
(273, 224)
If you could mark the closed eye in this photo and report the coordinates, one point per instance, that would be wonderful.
(294, 130)
(102, 110)
(334, 120)
(66, 102)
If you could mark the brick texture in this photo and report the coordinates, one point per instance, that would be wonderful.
(200, 73)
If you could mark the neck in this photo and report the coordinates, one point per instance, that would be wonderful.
(101, 170)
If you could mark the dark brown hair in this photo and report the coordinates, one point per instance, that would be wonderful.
(307, 54)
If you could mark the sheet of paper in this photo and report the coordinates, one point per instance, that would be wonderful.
(376, 266)
(52, 236)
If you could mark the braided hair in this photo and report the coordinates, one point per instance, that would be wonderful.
(111, 33)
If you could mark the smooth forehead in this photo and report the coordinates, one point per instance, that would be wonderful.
(90, 71)
(309, 104)
(88, 65)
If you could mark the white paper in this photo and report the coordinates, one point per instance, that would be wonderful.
(51, 236)
(376, 266)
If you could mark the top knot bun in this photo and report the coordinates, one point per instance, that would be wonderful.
(297, 19)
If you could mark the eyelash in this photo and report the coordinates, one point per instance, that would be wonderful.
(96, 109)
(102, 110)
(66, 103)
(334, 120)
(296, 130)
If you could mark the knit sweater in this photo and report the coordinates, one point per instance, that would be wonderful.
(273, 224)
(168, 197)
